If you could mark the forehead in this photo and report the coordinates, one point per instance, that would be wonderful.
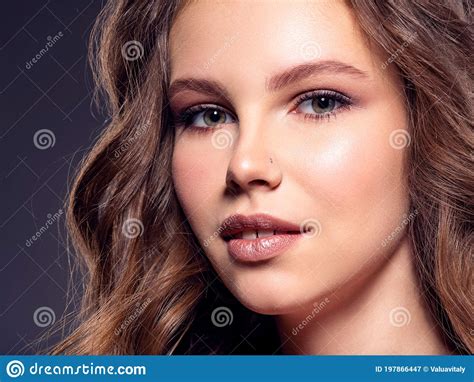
(243, 38)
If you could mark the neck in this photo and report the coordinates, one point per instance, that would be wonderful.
(384, 314)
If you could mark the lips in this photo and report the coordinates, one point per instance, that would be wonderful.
(251, 234)
(238, 224)
(258, 237)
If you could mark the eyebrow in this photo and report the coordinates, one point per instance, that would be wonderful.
(272, 84)
(299, 72)
(208, 87)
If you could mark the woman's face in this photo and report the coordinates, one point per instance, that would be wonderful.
(334, 162)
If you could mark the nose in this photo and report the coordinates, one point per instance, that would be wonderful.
(254, 163)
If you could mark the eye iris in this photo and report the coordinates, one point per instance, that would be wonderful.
(213, 116)
(323, 104)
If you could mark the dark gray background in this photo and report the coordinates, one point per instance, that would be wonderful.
(55, 94)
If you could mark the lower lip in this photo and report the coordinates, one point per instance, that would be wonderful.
(252, 250)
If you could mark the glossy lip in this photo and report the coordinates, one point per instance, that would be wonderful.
(253, 250)
(238, 223)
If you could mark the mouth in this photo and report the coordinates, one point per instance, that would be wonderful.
(258, 237)
(256, 234)
(254, 226)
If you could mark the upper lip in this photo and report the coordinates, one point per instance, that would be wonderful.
(238, 223)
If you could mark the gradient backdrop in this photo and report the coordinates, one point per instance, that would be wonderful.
(47, 124)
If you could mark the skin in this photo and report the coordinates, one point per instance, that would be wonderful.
(342, 172)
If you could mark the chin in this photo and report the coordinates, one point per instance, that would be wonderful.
(272, 294)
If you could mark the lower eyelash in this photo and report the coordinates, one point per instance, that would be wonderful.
(328, 115)
(319, 117)
(199, 130)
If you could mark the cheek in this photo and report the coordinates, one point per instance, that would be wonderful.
(188, 175)
(197, 176)
(357, 169)
(356, 180)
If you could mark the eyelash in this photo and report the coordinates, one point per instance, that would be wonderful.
(183, 119)
(344, 101)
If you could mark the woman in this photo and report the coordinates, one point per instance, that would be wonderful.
(278, 178)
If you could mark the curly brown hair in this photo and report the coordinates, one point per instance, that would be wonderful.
(152, 291)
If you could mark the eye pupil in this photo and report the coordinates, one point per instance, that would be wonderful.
(214, 116)
(323, 104)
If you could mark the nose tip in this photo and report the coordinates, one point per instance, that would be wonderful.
(250, 169)
(254, 161)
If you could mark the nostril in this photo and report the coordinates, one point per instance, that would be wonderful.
(258, 182)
